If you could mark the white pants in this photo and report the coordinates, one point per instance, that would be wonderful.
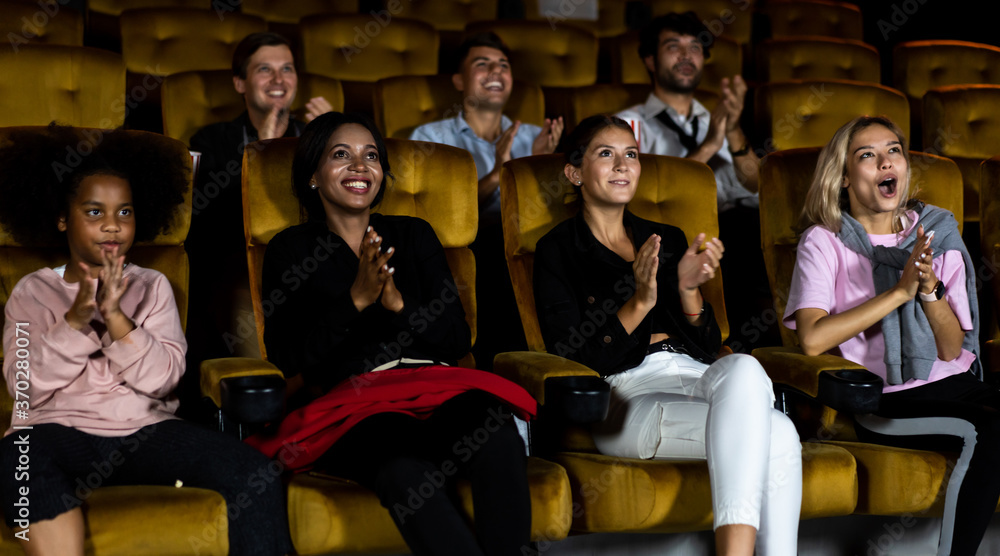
(674, 407)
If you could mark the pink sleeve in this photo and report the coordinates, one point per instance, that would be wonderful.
(814, 278)
(57, 354)
(950, 269)
(150, 358)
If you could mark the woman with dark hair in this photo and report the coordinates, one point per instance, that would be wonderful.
(634, 284)
(370, 319)
(886, 281)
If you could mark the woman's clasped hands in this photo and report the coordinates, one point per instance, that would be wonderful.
(918, 272)
(374, 281)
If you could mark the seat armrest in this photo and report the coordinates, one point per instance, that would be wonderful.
(563, 388)
(833, 381)
(214, 371)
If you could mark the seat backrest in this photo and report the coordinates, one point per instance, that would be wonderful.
(784, 181)
(434, 182)
(291, 11)
(804, 113)
(785, 58)
(194, 99)
(448, 15)
(405, 102)
(918, 66)
(116, 7)
(672, 190)
(564, 56)
(608, 20)
(368, 47)
(24, 23)
(788, 18)
(164, 253)
(989, 228)
(163, 41)
(726, 61)
(727, 18)
(71, 85)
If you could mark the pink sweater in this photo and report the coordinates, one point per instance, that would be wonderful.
(83, 380)
(831, 277)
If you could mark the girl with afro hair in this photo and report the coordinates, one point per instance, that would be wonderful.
(106, 345)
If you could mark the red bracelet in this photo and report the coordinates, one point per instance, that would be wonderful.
(702, 312)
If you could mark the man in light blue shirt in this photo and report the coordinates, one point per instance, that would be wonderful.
(484, 77)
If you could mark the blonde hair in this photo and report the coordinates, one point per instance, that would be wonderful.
(827, 199)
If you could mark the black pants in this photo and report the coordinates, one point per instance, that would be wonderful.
(964, 398)
(67, 464)
(411, 465)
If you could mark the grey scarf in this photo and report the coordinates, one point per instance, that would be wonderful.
(910, 350)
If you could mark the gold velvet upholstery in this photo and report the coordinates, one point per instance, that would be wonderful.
(67, 84)
(291, 11)
(436, 183)
(163, 41)
(795, 114)
(722, 17)
(123, 521)
(610, 20)
(892, 481)
(116, 7)
(562, 57)
(361, 49)
(448, 15)
(405, 102)
(24, 23)
(813, 17)
(194, 99)
(614, 494)
(962, 123)
(918, 66)
(726, 61)
(786, 58)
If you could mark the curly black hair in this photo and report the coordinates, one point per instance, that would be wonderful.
(41, 169)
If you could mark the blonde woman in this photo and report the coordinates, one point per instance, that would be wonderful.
(886, 281)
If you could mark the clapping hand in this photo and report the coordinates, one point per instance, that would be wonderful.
(374, 278)
(694, 268)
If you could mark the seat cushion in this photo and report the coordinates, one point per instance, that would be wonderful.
(148, 520)
(336, 515)
(669, 496)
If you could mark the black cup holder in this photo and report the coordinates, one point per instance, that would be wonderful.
(850, 390)
(577, 399)
(253, 399)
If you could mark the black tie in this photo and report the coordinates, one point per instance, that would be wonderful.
(689, 142)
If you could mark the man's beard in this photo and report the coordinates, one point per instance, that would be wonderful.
(667, 81)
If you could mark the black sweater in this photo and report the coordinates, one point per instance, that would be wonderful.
(312, 326)
(580, 285)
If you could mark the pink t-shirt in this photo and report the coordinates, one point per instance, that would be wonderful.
(831, 277)
(81, 379)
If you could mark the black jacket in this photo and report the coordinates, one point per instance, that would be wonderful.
(580, 285)
(312, 326)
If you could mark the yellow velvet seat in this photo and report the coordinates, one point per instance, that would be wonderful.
(130, 520)
(788, 18)
(68, 84)
(194, 99)
(615, 494)
(800, 113)
(402, 103)
(361, 49)
(892, 481)
(609, 22)
(103, 23)
(918, 66)
(283, 16)
(786, 58)
(562, 57)
(962, 123)
(726, 61)
(24, 23)
(730, 19)
(434, 182)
